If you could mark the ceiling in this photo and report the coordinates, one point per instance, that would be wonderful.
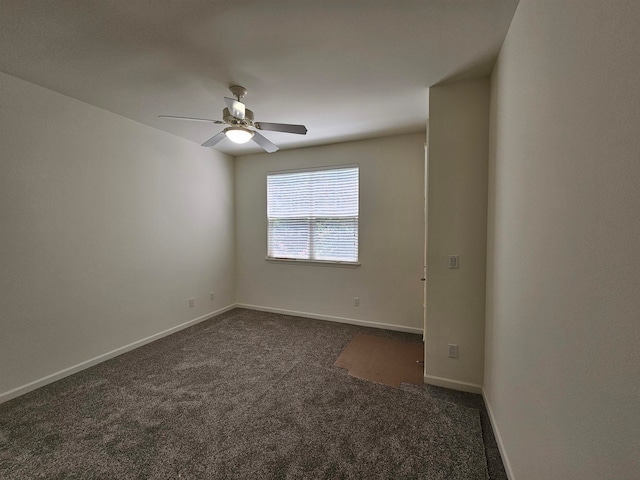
(347, 69)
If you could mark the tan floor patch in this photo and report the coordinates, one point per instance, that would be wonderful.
(383, 360)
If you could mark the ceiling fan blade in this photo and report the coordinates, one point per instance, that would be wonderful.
(235, 107)
(191, 118)
(213, 140)
(281, 127)
(264, 143)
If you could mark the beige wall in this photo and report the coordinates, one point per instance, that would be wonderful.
(391, 236)
(107, 228)
(457, 204)
(562, 370)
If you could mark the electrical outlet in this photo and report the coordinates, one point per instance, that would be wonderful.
(454, 261)
(356, 301)
(453, 350)
(192, 302)
(212, 296)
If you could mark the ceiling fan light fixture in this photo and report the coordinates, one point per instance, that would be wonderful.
(238, 134)
(238, 117)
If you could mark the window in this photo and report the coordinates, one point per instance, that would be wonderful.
(313, 215)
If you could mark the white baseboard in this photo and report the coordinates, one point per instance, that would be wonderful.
(330, 318)
(452, 384)
(496, 433)
(16, 392)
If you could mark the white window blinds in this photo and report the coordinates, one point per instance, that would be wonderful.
(313, 215)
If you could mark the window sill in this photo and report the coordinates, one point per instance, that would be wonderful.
(320, 263)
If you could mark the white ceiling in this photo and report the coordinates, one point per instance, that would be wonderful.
(347, 69)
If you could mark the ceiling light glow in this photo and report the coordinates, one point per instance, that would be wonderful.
(238, 134)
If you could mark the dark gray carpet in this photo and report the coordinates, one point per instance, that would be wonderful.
(244, 395)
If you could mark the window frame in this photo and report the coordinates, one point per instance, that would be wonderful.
(307, 261)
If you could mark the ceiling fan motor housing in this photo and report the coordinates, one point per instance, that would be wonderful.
(231, 120)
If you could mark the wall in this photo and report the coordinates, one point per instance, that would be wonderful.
(391, 237)
(562, 375)
(457, 203)
(107, 228)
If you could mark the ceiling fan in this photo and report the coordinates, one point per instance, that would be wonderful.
(239, 118)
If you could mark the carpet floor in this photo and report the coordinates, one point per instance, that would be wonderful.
(244, 395)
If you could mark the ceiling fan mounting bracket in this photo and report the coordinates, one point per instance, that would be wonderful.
(238, 91)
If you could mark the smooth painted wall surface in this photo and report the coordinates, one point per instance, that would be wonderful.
(562, 371)
(107, 228)
(457, 206)
(391, 235)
